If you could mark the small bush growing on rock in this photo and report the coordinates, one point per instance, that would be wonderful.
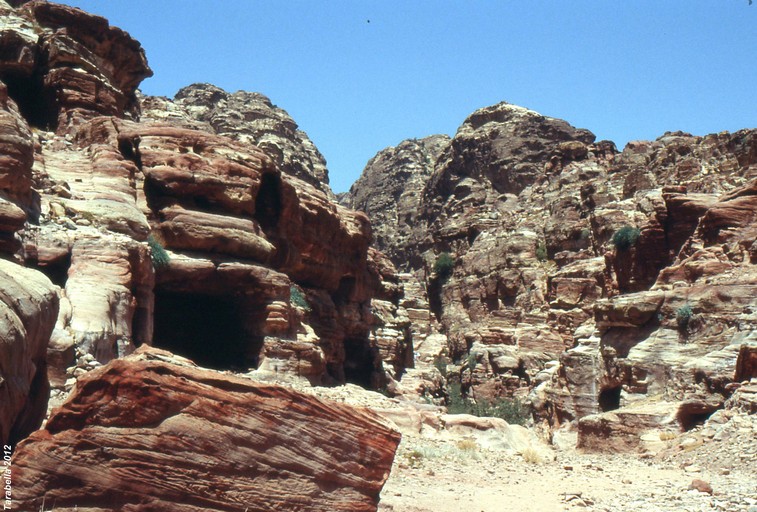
(444, 264)
(298, 299)
(625, 238)
(541, 252)
(683, 316)
(159, 256)
(512, 410)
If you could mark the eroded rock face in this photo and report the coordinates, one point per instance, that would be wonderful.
(250, 118)
(243, 227)
(539, 298)
(138, 433)
(62, 65)
(28, 309)
(389, 192)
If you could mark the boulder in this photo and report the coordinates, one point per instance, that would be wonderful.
(154, 432)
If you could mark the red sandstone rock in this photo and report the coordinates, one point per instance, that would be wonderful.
(152, 433)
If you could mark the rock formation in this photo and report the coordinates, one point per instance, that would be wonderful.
(172, 228)
(388, 192)
(153, 432)
(536, 296)
(250, 118)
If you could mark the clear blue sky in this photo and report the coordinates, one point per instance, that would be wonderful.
(361, 75)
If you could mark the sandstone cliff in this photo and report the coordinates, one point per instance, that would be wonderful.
(250, 118)
(169, 227)
(538, 297)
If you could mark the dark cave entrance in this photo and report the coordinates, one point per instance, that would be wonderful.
(208, 329)
(360, 363)
(129, 149)
(56, 270)
(268, 203)
(692, 415)
(609, 399)
(36, 102)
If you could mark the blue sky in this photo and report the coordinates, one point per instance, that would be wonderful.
(361, 75)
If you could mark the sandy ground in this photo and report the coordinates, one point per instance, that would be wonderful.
(447, 476)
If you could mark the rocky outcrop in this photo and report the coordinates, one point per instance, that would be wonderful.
(28, 308)
(534, 294)
(62, 65)
(250, 118)
(389, 192)
(175, 229)
(154, 432)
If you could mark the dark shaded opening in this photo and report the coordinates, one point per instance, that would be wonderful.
(129, 149)
(345, 290)
(56, 270)
(268, 202)
(692, 415)
(35, 409)
(207, 329)
(435, 298)
(609, 399)
(359, 363)
(36, 102)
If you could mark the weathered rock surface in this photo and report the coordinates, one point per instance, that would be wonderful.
(28, 309)
(389, 192)
(63, 65)
(244, 228)
(153, 432)
(250, 118)
(539, 298)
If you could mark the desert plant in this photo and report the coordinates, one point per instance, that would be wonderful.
(444, 264)
(683, 316)
(532, 455)
(512, 410)
(159, 256)
(625, 238)
(298, 299)
(541, 252)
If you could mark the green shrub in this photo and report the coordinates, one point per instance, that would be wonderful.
(683, 316)
(541, 252)
(512, 410)
(444, 264)
(297, 298)
(625, 238)
(159, 256)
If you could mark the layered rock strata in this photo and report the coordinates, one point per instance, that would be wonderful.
(174, 229)
(535, 295)
(250, 118)
(154, 432)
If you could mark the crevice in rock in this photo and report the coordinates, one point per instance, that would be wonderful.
(129, 149)
(55, 270)
(208, 329)
(36, 102)
(344, 291)
(435, 298)
(609, 398)
(34, 412)
(268, 203)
